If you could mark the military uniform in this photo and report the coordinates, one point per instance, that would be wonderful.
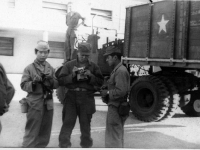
(118, 87)
(7, 92)
(40, 111)
(72, 22)
(79, 102)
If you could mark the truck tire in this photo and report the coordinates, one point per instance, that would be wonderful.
(174, 98)
(60, 93)
(148, 98)
(192, 109)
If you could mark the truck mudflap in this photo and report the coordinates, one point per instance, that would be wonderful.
(149, 98)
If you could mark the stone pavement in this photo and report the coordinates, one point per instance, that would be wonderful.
(179, 132)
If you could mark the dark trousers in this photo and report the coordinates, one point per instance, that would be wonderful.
(114, 136)
(38, 128)
(0, 127)
(69, 43)
(81, 105)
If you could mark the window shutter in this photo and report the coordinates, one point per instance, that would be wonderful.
(6, 46)
(56, 49)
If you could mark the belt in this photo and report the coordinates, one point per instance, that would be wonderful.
(78, 89)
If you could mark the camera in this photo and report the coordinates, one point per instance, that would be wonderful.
(81, 74)
(47, 86)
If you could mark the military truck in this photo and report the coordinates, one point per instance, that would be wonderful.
(163, 40)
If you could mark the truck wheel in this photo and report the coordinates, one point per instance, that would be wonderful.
(60, 93)
(174, 98)
(192, 109)
(149, 98)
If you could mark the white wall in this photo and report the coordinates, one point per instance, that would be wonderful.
(24, 44)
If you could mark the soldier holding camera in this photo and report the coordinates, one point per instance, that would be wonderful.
(38, 81)
(115, 95)
(82, 78)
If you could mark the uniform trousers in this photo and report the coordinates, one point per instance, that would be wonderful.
(38, 128)
(0, 127)
(69, 43)
(79, 104)
(114, 136)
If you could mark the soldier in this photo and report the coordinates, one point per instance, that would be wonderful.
(114, 95)
(38, 81)
(7, 92)
(73, 22)
(81, 77)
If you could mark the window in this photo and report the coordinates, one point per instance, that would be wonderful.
(106, 14)
(11, 3)
(6, 46)
(56, 49)
(54, 7)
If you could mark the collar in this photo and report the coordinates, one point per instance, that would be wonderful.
(116, 67)
(77, 62)
(71, 13)
(40, 63)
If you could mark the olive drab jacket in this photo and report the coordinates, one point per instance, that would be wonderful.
(66, 79)
(35, 97)
(7, 90)
(118, 85)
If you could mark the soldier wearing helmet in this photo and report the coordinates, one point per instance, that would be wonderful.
(38, 81)
(82, 78)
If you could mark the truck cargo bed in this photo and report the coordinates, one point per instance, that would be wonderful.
(166, 33)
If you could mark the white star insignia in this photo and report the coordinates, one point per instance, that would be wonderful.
(162, 24)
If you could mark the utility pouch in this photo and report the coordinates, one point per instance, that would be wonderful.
(24, 105)
(105, 99)
(124, 109)
(48, 95)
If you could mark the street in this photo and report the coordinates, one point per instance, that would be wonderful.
(179, 132)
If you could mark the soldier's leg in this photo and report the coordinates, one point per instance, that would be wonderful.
(72, 42)
(45, 129)
(123, 119)
(67, 46)
(0, 127)
(85, 126)
(33, 123)
(114, 129)
(85, 115)
(73, 37)
(69, 120)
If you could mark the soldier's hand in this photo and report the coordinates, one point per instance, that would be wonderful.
(104, 87)
(48, 76)
(88, 73)
(104, 93)
(74, 70)
(5, 109)
(37, 79)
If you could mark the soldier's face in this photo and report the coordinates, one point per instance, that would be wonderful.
(83, 57)
(42, 55)
(69, 7)
(110, 60)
